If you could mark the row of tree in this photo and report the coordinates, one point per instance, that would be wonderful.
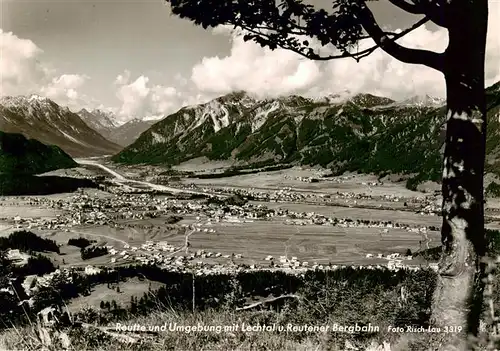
(214, 291)
(37, 264)
(93, 251)
(33, 185)
(28, 242)
(80, 242)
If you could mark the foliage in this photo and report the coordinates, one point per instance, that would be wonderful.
(172, 219)
(80, 242)
(38, 265)
(213, 291)
(493, 189)
(15, 185)
(27, 241)
(272, 24)
(93, 251)
(432, 254)
(19, 155)
(234, 200)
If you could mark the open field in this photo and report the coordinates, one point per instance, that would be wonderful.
(132, 287)
(356, 183)
(290, 178)
(311, 243)
(253, 239)
(322, 244)
(25, 210)
(202, 164)
(406, 217)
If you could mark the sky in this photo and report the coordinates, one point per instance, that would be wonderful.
(137, 60)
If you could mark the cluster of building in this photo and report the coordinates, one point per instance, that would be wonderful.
(318, 219)
(163, 254)
(33, 283)
(114, 211)
(82, 209)
(292, 267)
(182, 259)
(425, 204)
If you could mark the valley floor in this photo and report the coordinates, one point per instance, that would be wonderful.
(291, 223)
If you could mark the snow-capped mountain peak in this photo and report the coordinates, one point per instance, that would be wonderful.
(423, 100)
(99, 120)
(35, 97)
(238, 97)
(40, 118)
(26, 102)
(335, 98)
(106, 119)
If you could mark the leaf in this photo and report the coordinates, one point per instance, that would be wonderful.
(285, 18)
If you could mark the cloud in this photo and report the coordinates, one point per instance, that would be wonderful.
(123, 79)
(272, 73)
(23, 73)
(141, 98)
(133, 96)
(252, 68)
(64, 90)
(249, 67)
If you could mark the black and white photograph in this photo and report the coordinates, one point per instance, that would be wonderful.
(217, 175)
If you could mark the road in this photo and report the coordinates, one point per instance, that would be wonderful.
(90, 162)
(101, 236)
(121, 179)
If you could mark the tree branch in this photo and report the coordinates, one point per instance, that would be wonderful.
(436, 12)
(410, 8)
(356, 55)
(416, 56)
(434, 9)
(309, 55)
(429, 8)
(290, 19)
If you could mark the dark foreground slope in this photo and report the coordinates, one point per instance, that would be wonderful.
(21, 159)
(44, 185)
(19, 155)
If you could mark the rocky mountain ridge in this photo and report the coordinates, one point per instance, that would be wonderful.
(364, 133)
(107, 124)
(42, 119)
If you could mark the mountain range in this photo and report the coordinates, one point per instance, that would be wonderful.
(101, 121)
(42, 119)
(105, 123)
(364, 133)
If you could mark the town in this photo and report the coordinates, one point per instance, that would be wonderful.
(175, 232)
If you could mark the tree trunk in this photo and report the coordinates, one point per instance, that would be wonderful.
(457, 299)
